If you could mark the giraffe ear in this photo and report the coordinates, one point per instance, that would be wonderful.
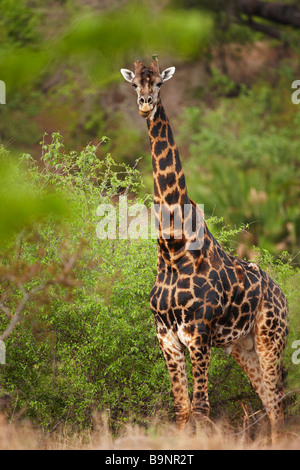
(127, 74)
(167, 74)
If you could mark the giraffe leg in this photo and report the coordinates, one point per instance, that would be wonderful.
(264, 378)
(200, 352)
(174, 354)
(249, 362)
(270, 340)
(271, 373)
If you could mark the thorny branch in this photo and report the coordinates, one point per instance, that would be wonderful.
(62, 278)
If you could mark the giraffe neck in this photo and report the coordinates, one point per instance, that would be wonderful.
(171, 201)
(168, 177)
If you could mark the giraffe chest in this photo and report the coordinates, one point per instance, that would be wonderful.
(219, 300)
(176, 297)
(170, 291)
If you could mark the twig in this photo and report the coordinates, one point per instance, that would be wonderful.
(26, 297)
(5, 309)
(54, 427)
(266, 413)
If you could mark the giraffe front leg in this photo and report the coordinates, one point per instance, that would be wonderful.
(200, 351)
(174, 354)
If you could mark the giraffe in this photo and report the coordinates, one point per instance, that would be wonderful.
(204, 297)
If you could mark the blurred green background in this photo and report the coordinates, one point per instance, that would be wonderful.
(238, 134)
(229, 102)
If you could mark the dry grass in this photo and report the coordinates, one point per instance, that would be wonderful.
(23, 436)
(17, 437)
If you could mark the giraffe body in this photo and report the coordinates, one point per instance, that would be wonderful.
(204, 297)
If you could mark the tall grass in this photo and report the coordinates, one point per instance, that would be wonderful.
(160, 436)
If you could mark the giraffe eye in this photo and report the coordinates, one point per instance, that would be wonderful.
(159, 84)
(134, 85)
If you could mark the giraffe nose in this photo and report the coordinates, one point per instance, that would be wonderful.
(145, 100)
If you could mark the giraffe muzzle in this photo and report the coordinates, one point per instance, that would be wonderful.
(145, 105)
(145, 110)
(144, 113)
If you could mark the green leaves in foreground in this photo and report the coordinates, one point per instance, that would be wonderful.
(21, 204)
(86, 341)
(100, 43)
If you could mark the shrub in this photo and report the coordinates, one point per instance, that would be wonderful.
(244, 163)
(86, 341)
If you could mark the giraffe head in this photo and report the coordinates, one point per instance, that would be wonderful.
(147, 82)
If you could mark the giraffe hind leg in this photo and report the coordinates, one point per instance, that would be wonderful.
(265, 375)
(271, 331)
(249, 361)
(262, 363)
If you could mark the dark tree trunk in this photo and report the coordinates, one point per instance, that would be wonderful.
(276, 12)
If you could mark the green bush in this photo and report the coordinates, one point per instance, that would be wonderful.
(19, 22)
(243, 163)
(86, 341)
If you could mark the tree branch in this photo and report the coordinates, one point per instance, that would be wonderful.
(263, 28)
(279, 13)
(63, 278)
(17, 317)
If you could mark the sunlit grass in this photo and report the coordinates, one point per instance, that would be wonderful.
(160, 436)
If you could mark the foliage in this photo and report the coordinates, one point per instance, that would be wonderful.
(95, 43)
(19, 22)
(20, 208)
(84, 349)
(84, 338)
(246, 155)
(66, 56)
(87, 342)
(238, 21)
